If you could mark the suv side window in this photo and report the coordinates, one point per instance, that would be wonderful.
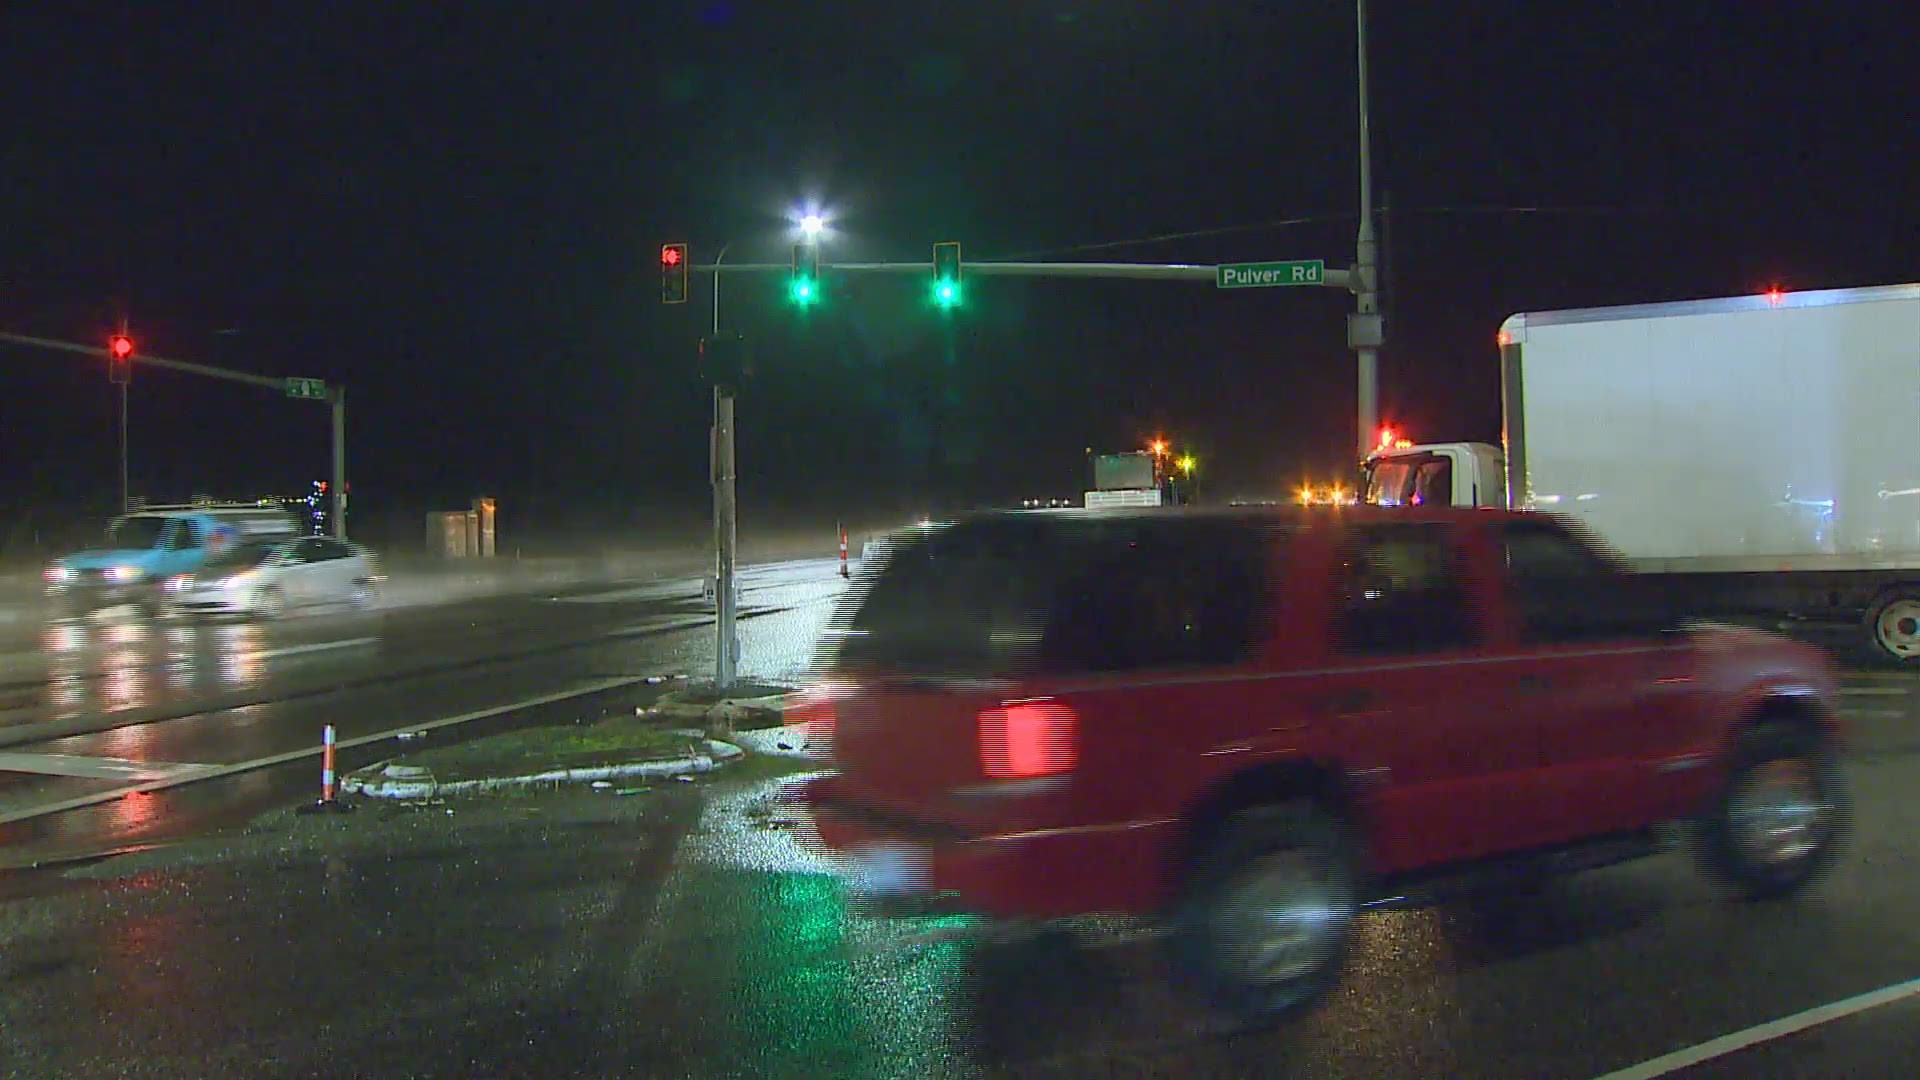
(964, 600)
(1564, 591)
(1402, 590)
(1160, 595)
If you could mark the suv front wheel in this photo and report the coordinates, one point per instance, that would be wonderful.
(1778, 820)
(1263, 921)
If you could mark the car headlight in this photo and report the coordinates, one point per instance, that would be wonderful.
(180, 583)
(242, 579)
(125, 573)
(58, 575)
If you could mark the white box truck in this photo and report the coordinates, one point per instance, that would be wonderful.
(1761, 453)
(1131, 479)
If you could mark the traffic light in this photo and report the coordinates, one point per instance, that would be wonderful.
(120, 359)
(946, 275)
(805, 287)
(673, 273)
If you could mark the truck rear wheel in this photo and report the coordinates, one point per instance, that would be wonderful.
(1263, 922)
(1893, 627)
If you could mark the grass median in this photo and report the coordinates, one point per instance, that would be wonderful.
(621, 742)
(619, 739)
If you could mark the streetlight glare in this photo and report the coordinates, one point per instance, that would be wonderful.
(812, 224)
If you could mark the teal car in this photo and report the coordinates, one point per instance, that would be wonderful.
(144, 550)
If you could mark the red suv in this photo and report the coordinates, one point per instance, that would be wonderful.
(1253, 724)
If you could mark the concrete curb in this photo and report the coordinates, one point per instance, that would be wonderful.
(725, 715)
(389, 780)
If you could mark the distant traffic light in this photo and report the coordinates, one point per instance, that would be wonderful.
(805, 287)
(673, 273)
(946, 274)
(120, 359)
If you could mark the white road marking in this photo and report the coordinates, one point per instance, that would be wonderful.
(1874, 691)
(318, 646)
(1871, 714)
(663, 626)
(672, 590)
(98, 768)
(314, 751)
(1776, 1029)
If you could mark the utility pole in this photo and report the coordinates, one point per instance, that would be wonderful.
(1364, 331)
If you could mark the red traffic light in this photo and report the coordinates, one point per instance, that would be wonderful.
(673, 273)
(121, 346)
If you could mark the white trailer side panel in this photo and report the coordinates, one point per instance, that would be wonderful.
(1739, 434)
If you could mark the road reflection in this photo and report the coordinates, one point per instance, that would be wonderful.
(109, 662)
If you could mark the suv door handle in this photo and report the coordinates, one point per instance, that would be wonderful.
(1345, 702)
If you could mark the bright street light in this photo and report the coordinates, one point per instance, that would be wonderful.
(812, 225)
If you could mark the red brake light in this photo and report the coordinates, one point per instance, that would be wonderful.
(1025, 739)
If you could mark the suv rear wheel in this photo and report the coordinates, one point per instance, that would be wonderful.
(1779, 819)
(1263, 922)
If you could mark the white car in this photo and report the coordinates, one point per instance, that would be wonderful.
(267, 580)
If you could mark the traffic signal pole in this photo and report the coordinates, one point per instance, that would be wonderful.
(726, 522)
(1339, 279)
(309, 389)
(339, 463)
(724, 464)
(124, 496)
(1365, 331)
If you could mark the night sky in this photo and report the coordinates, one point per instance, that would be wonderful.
(455, 209)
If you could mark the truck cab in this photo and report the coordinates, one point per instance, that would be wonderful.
(1435, 474)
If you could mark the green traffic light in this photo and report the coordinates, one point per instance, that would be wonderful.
(946, 294)
(802, 291)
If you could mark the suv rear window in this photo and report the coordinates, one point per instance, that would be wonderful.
(1059, 596)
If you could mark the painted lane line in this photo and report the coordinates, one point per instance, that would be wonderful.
(215, 771)
(318, 646)
(98, 768)
(1874, 691)
(1872, 714)
(665, 627)
(1762, 1033)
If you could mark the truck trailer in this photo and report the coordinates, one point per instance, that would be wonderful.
(1131, 479)
(1758, 453)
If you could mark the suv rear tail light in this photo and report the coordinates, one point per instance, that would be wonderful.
(1024, 739)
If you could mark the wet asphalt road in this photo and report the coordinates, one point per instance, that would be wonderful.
(682, 932)
(126, 705)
